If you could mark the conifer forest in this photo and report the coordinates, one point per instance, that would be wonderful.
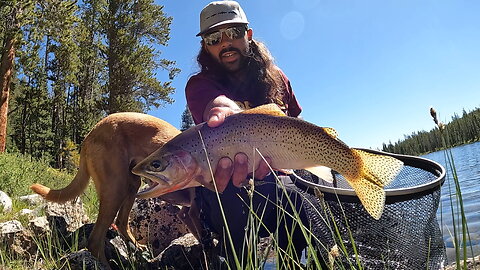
(66, 64)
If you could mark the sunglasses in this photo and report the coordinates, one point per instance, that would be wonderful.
(234, 32)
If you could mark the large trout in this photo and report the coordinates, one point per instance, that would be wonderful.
(291, 143)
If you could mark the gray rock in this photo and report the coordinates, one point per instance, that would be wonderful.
(32, 199)
(26, 212)
(5, 202)
(183, 253)
(81, 260)
(472, 263)
(9, 227)
(154, 223)
(40, 226)
(72, 213)
(19, 241)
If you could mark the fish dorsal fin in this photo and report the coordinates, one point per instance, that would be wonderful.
(331, 131)
(322, 172)
(270, 109)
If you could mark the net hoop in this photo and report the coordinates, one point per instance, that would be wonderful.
(392, 194)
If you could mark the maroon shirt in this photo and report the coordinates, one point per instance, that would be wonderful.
(201, 89)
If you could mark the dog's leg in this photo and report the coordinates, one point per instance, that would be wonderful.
(111, 198)
(122, 217)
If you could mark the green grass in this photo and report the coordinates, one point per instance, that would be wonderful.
(17, 173)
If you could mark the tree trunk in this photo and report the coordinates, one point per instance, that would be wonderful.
(6, 69)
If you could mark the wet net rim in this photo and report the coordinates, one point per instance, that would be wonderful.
(392, 195)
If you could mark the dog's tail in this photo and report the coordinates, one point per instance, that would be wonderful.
(68, 193)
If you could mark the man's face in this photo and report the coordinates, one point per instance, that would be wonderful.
(229, 52)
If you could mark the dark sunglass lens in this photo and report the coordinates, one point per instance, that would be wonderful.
(212, 38)
(213, 42)
(238, 32)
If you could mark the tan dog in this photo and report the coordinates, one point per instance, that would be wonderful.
(109, 151)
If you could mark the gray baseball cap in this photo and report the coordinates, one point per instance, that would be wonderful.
(219, 13)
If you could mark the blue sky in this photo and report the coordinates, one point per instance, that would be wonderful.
(369, 69)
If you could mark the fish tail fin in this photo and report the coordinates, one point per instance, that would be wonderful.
(377, 172)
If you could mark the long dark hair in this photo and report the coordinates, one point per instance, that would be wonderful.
(264, 77)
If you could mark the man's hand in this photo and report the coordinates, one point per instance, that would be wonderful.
(217, 115)
(226, 169)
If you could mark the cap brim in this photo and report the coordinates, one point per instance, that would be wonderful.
(222, 23)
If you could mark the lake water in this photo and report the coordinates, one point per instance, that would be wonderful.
(467, 164)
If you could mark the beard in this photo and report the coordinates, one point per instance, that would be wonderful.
(236, 65)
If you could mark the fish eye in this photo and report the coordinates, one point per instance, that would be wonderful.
(156, 164)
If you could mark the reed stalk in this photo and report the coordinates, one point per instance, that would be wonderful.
(460, 230)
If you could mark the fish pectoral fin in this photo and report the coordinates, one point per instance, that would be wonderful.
(322, 172)
(192, 184)
(371, 196)
(199, 180)
(270, 109)
(285, 171)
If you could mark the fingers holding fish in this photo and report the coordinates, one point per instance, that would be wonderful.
(240, 170)
(263, 169)
(217, 116)
(223, 172)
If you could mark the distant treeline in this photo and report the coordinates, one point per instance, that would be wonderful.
(461, 130)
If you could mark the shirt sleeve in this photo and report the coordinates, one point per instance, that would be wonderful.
(199, 91)
(293, 107)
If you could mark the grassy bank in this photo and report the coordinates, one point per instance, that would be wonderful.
(19, 172)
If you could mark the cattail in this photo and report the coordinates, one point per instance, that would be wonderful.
(439, 124)
(433, 113)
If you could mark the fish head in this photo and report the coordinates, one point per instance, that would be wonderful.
(170, 169)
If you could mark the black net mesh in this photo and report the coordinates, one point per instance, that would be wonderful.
(407, 236)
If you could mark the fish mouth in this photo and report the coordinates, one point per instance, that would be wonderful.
(147, 192)
(156, 189)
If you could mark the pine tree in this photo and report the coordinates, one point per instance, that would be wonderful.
(14, 13)
(31, 110)
(85, 100)
(133, 29)
(187, 119)
(60, 27)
